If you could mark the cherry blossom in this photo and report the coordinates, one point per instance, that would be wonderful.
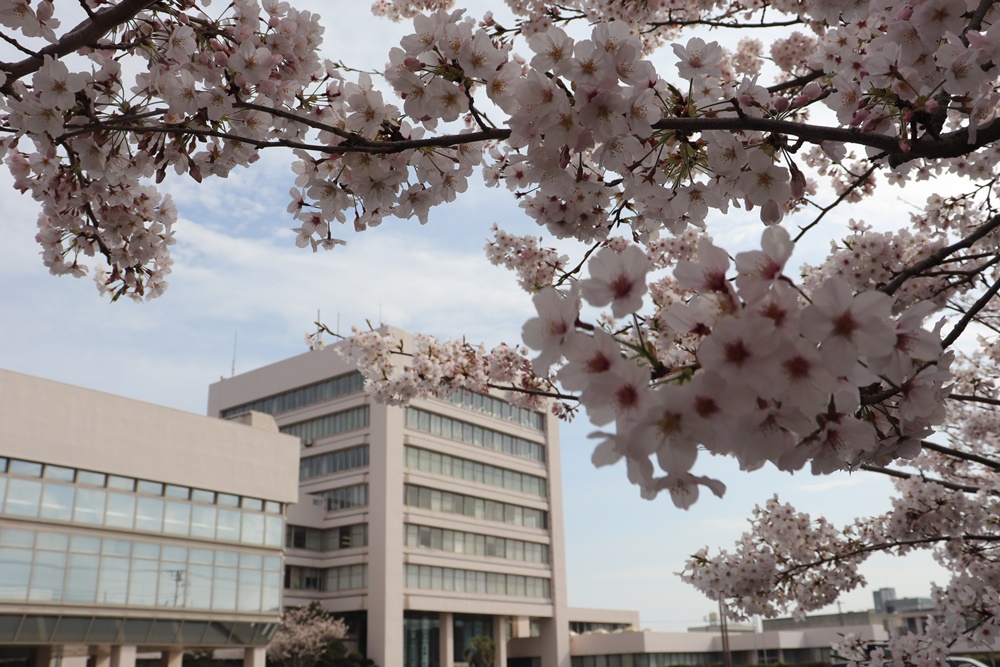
(846, 364)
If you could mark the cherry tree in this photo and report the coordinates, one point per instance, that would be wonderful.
(305, 636)
(853, 363)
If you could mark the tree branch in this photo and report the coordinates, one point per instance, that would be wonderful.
(970, 314)
(899, 474)
(936, 258)
(85, 33)
(965, 456)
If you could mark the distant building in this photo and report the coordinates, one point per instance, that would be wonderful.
(130, 528)
(423, 525)
(883, 596)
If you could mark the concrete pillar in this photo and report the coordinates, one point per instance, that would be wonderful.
(99, 657)
(173, 657)
(500, 640)
(123, 656)
(522, 626)
(446, 634)
(44, 657)
(255, 656)
(385, 536)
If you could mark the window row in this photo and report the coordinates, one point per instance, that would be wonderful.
(480, 508)
(427, 577)
(42, 566)
(331, 462)
(472, 471)
(452, 429)
(498, 408)
(330, 539)
(343, 578)
(144, 487)
(647, 660)
(338, 422)
(34, 499)
(342, 385)
(459, 542)
(346, 497)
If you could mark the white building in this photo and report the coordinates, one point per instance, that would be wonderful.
(130, 528)
(423, 525)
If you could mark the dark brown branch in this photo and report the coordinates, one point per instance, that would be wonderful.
(871, 548)
(17, 45)
(965, 456)
(84, 34)
(974, 399)
(797, 81)
(936, 257)
(899, 474)
(970, 315)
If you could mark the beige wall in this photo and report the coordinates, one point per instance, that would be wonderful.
(90, 430)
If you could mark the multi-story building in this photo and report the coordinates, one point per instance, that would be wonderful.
(424, 525)
(128, 528)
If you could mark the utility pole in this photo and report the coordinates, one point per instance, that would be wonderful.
(727, 656)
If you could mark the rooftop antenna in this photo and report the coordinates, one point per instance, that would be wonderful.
(380, 322)
(232, 370)
(338, 324)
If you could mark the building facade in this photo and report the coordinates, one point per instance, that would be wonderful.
(128, 528)
(424, 525)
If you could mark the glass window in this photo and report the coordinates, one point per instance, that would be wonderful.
(113, 584)
(89, 506)
(90, 478)
(120, 512)
(228, 526)
(253, 528)
(23, 496)
(57, 502)
(26, 468)
(149, 515)
(149, 488)
(59, 473)
(202, 496)
(253, 504)
(179, 492)
(47, 576)
(250, 589)
(52, 541)
(177, 518)
(203, 521)
(272, 531)
(81, 578)
(200, 586)
(121, 483)
(228, 500)
(15, 566)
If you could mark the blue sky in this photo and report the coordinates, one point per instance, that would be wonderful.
(238, 273)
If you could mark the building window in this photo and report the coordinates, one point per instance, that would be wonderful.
(455, 541)
(453, 429)
(44, 566)
(479, 508)
(428, 577)
(346, 497)
(473, 471)
(332, 539)
(338, 422)
(495, 407)
(332, 462)
(342, 385)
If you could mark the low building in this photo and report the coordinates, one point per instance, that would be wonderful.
(130, 528)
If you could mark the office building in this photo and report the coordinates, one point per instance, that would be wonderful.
(423, 525)
(128, 528)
